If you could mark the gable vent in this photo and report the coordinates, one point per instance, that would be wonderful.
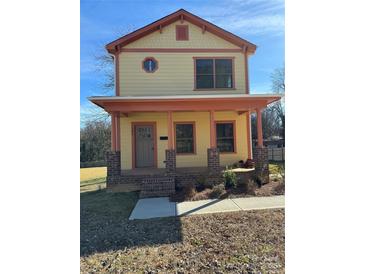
(182, 32)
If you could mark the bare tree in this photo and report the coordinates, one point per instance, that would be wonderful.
(94, 141)
(278, 86)
(273, 117)
(270, 125)
(104, 64)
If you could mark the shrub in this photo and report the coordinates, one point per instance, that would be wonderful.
(280, 189)
(258, 180)
(201, 183)
(249, 164)
(203, 195)
(230, 178)
(189, 191)
(249, 187)
(217, 191)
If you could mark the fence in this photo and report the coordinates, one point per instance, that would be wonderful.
(276, 153)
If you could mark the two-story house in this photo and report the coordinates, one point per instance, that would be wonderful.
(182, 105)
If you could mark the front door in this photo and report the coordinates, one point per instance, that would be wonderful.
(144, 146)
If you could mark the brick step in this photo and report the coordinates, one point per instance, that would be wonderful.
(157, 187)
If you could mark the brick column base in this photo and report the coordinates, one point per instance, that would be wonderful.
(261, 159)
(170, 161)
(213, 160)
(113, 165)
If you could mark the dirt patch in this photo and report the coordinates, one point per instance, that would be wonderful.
(270, 189)
(238, 242)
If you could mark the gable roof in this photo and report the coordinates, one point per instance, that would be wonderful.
(181, 14)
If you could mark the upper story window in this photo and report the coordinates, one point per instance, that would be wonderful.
(214, 73)
(149, 64)
(182, 32)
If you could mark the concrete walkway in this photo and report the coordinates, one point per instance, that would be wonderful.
(162, 207)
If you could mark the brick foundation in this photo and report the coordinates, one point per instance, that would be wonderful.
(213, 160)
(129, 181)
(185, 178)
(170, 162)
(260, 157)
(125, 183)
(157, 186)
(113, 166)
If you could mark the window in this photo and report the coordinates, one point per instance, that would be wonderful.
(149, 64)
(225, 136)
(182, 32)
(213, 73)
(184, 138)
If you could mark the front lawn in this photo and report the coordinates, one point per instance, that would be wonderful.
(90, 173)
(245, 241)
(92, 178)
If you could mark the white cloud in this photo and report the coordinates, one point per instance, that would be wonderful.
(263, 24)
(250, 17)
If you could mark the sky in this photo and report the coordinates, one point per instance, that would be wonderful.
(258, 21)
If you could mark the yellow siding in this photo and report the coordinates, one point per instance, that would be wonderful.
(174, 76)
(175, 73)
(167, 39)
(202, 137)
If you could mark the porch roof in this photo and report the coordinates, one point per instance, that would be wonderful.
(237, 102)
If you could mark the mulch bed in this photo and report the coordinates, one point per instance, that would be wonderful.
(270, 189)
(237, 242)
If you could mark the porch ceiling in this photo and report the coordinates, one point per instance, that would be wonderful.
(128, 104)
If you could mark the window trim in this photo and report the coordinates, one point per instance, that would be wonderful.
(149, 58)
(186, 27)
(214, 58)
(194, 137)
(234, 135)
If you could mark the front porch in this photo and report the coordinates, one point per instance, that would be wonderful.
(124, 171)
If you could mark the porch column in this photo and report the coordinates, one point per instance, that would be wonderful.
(260, 142)
(170, 131)
(115, 131)
(170, 159)
(212, 130)
(249, 135)
(113, 156)
(213, 152)
(260, 155)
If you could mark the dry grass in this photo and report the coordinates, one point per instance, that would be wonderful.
(91, 173)
(92, 185)
(276, 168)
(237, 242)
(92, 178)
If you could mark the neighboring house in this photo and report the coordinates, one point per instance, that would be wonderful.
(182, 105)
